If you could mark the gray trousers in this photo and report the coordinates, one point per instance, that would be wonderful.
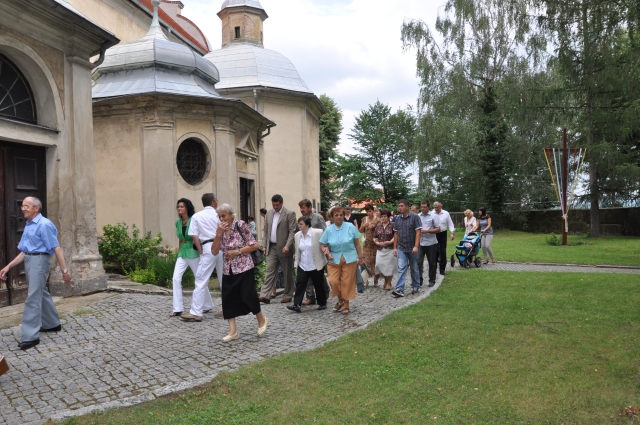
(275, 259)
(38, 308)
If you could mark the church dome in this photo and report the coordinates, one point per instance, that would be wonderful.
(249, 65)
(154, 64)
(238, 3)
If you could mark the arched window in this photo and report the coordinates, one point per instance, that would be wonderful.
(16, 98)
(192, 161)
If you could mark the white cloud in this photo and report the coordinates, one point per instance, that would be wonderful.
(349, 49)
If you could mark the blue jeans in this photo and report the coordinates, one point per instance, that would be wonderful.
(406, 259)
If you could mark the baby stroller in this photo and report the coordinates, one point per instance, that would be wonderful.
(467, 251)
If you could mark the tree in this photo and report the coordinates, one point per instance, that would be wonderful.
(330, 129)
(378, 169)
(485, 42)
(598, 59)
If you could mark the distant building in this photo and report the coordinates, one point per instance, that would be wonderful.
(270, 83)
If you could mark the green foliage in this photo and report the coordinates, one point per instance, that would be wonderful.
(129, 252)
(553, 239)
(260, 273)
(330, 129)
(162, 267)
(146, 276)
(377, 171)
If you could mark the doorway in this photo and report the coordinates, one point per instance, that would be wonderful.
(22, 174)
(247, 205)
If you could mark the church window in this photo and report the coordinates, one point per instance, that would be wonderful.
(16, 98)
(237, 32)
(192, 161)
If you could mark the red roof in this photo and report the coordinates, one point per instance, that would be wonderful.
(174, 25)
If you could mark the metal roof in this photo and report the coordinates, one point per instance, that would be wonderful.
(249, 65)
(238, 3)
(154, 64)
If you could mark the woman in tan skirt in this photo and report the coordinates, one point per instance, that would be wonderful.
(367, 228)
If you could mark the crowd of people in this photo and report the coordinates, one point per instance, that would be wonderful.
(323, 253)
(317, 256)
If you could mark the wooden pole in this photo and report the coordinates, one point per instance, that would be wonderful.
(565, 159)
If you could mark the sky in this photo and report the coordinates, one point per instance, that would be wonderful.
(348, 49)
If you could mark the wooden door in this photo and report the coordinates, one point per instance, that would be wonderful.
(23, 175)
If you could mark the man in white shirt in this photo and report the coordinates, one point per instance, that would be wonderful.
(445, 223)
(203, 228)
(428, 242)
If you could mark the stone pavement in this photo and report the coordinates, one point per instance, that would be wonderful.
(125, 350)
(546, 267)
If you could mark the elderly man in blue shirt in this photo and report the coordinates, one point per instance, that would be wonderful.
(38, 243)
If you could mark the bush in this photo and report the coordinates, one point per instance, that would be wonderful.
(163, 266)
(260, 273)
(553, 239)
(127, 252)
(142, 276)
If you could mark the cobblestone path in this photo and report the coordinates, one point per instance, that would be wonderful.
(569, 268)
(126, 350)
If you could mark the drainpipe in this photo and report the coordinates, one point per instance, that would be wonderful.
(103, 50)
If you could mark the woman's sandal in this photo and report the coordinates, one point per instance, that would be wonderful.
(176, 314)
(493, 261)
(345, 310)
(338, 306)
(485, 262)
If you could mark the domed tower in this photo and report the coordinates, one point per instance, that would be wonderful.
(162, 132)
(271, 84)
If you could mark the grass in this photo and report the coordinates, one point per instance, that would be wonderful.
(486, 348)
(510, 245)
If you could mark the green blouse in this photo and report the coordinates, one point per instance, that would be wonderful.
(186, 242)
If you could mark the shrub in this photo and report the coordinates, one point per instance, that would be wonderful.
(260, 273)
(142, 276)
(163, 266)
(553, 239)
(128, 252)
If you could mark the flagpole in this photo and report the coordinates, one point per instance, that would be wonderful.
(565, 212)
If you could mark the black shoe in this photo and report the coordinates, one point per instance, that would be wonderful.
(442, 272)
(432, 284)
(28, 344)
(397, 294)
(421, 282)
(54, 329)
(415, 291)
(295, 308)
(322, 307)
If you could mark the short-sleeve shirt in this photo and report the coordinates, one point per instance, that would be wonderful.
(340, 241)
(204, 224)
(40, 235)
(406, 228)
(185, 250)
(484, 222)
(384, 234)
(233, 242)
(429, 221)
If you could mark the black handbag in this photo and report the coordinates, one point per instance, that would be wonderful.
(257, 256)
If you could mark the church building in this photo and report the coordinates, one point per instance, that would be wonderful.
(112, 110)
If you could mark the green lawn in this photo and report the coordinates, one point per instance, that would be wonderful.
(486, 348)
(531, 247)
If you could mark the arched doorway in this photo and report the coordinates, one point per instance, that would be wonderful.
(22, 174)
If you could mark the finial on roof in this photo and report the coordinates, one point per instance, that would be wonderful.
(155, 30)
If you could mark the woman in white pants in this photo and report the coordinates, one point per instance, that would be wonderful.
(187, 256)
(485, 225)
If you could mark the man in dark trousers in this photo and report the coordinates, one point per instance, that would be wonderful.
(38, 243)
(279, 228)
(428, 242)
(445, 223)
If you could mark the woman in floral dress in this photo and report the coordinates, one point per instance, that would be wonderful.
(239, 296)
(386, 263)
(367, 228)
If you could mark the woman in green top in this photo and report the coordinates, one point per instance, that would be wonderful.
(187, 256)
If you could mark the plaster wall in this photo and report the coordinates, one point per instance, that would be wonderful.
(118, 159)
(123, 18)
(251, 27)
